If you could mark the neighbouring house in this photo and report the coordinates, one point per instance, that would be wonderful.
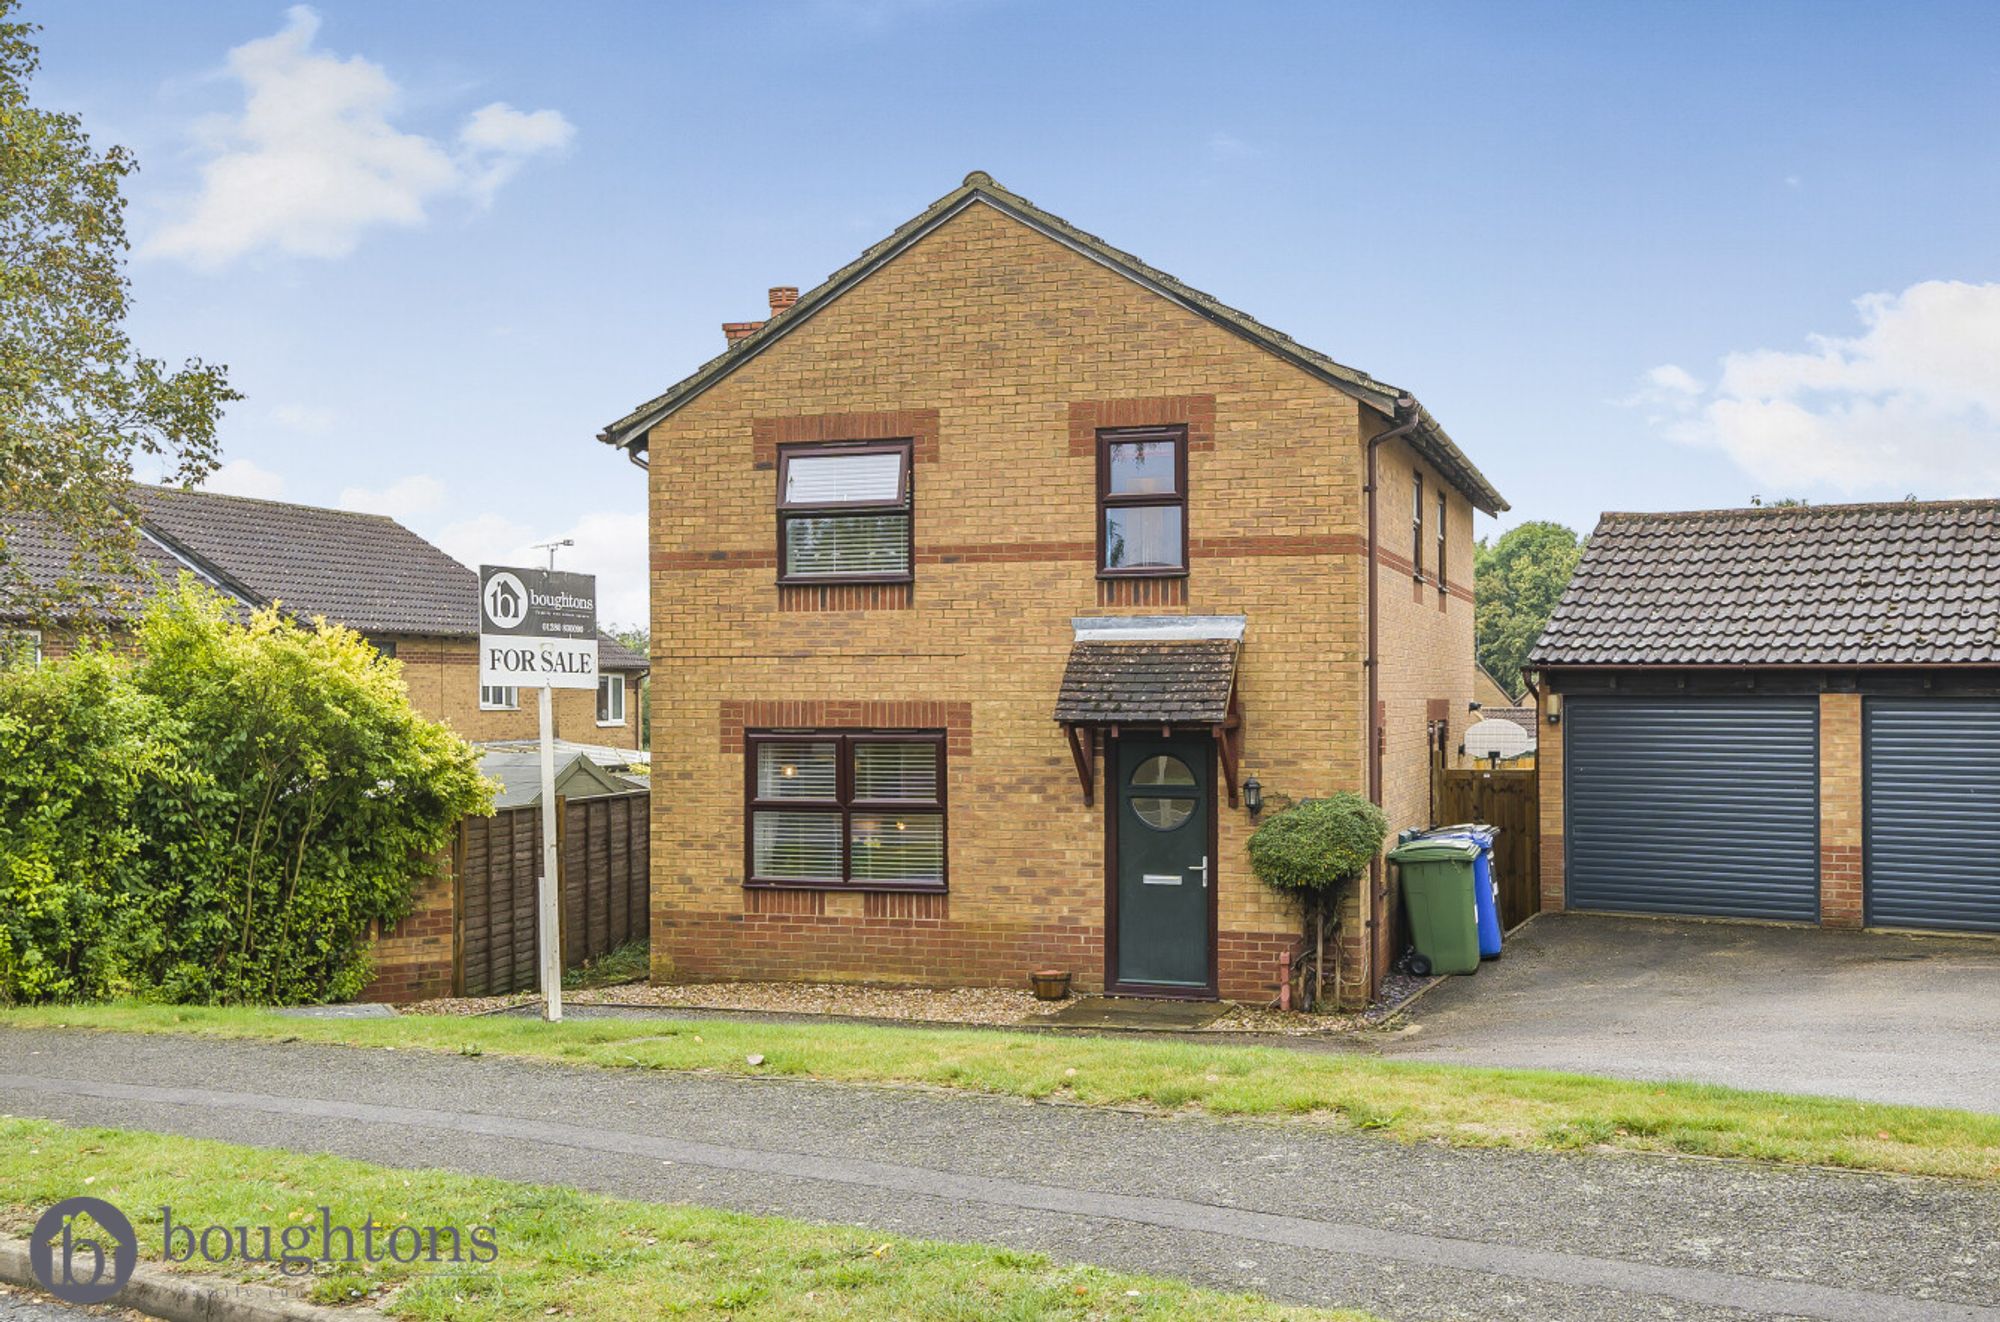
(365, 571)
(1489, 692)
(986, 577)
(1778, 713)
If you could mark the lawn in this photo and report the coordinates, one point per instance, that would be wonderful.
(1396, 1099)
(561, 1253)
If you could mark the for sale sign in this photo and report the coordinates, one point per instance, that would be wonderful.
(537, 628)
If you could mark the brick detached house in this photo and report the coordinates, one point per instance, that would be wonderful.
(365, 571)
(1789, 714)
(987, 575)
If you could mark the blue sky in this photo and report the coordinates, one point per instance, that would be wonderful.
(1633, 256)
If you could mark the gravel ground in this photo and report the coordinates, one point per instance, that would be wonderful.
(917, 1005)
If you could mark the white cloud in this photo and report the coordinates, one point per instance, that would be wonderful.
(609, 545)
(418, 493)
(313, 160)
(1912, 403)
(303, 418)
(1226, 146)
(240, 477)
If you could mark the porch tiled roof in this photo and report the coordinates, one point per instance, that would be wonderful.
(1161, 681)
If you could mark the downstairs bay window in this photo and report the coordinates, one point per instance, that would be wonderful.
(863, 811)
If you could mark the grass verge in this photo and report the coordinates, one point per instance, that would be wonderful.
(561, 1253)
(1398, 1099)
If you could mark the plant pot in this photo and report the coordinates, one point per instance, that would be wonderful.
(1050, 984)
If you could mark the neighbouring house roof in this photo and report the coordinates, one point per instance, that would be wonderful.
(1428, 439)
(1521, 716)
(1148, 670)
(520, 778)
(44, 552)
(1913, 583)
(365, 571)
(1498, 687)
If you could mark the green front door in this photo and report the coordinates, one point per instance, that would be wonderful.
(1164, 873)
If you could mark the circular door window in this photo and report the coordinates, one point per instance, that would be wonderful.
(1163, 770)
(1163, 814)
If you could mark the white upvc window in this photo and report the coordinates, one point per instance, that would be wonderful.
(611, 699)
(20, 647)
(495, 698)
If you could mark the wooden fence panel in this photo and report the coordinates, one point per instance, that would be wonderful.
(1507, 800)
(603, 887)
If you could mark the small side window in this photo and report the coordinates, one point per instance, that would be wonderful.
(1142, 503)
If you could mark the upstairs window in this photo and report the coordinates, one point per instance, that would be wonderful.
(1442, 507)
(844, 513)
(859, 810)
(611, 699)
(1417, 524)
(1142, 526)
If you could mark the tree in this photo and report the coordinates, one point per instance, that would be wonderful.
(1312, 850)
(78, 404)
(1517, 582)
(639, 638)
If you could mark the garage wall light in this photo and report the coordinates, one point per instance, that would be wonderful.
(1553, 705)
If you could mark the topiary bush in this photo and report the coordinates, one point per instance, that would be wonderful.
(1313, 849)
(1318, 844)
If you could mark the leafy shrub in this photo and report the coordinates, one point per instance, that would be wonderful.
(221, 819)
(1318, 844)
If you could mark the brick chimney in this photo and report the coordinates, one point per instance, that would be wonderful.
(782, 297)
(739, 330)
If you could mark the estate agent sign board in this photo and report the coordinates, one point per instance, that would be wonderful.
(537, 628)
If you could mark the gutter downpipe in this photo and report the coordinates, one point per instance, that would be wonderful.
(1406, 407)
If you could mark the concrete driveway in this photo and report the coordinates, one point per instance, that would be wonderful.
(1879, 1016)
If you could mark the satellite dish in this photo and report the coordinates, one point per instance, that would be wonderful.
(1502, 737)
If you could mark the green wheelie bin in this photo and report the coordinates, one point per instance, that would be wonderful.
(1438, 877)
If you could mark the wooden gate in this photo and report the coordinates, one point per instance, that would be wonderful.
(602, 860)
(1507, 800)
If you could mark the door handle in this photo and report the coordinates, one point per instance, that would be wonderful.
(1203, 870)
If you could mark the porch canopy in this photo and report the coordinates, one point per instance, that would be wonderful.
(1151, 671)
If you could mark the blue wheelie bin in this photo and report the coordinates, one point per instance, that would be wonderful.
(1484, 893)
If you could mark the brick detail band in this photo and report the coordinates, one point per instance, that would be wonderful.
(736, 715)
(1142, 592)
(1195, 412)
(888, 904)
(808, 903)
(919, 425)
(845, 596)
(1009, 553)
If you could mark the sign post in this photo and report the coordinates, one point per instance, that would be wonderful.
(538, 628)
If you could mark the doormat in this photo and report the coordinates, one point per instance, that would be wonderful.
(1136, 1012)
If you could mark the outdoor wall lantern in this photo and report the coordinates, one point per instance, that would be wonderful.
(1554, 706)
(1253, 795)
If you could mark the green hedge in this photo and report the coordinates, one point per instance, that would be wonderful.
(219, 817)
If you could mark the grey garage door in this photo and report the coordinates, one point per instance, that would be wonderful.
(1693, 805)
(1932, 781)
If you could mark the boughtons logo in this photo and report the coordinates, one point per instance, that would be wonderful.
(506, 600)
(83, 1250)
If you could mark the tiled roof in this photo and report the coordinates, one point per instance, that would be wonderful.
(1897, 584)
(1525, 717)
(365, 571)
(1185, 680)
(41, 552)
(1428, 439)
